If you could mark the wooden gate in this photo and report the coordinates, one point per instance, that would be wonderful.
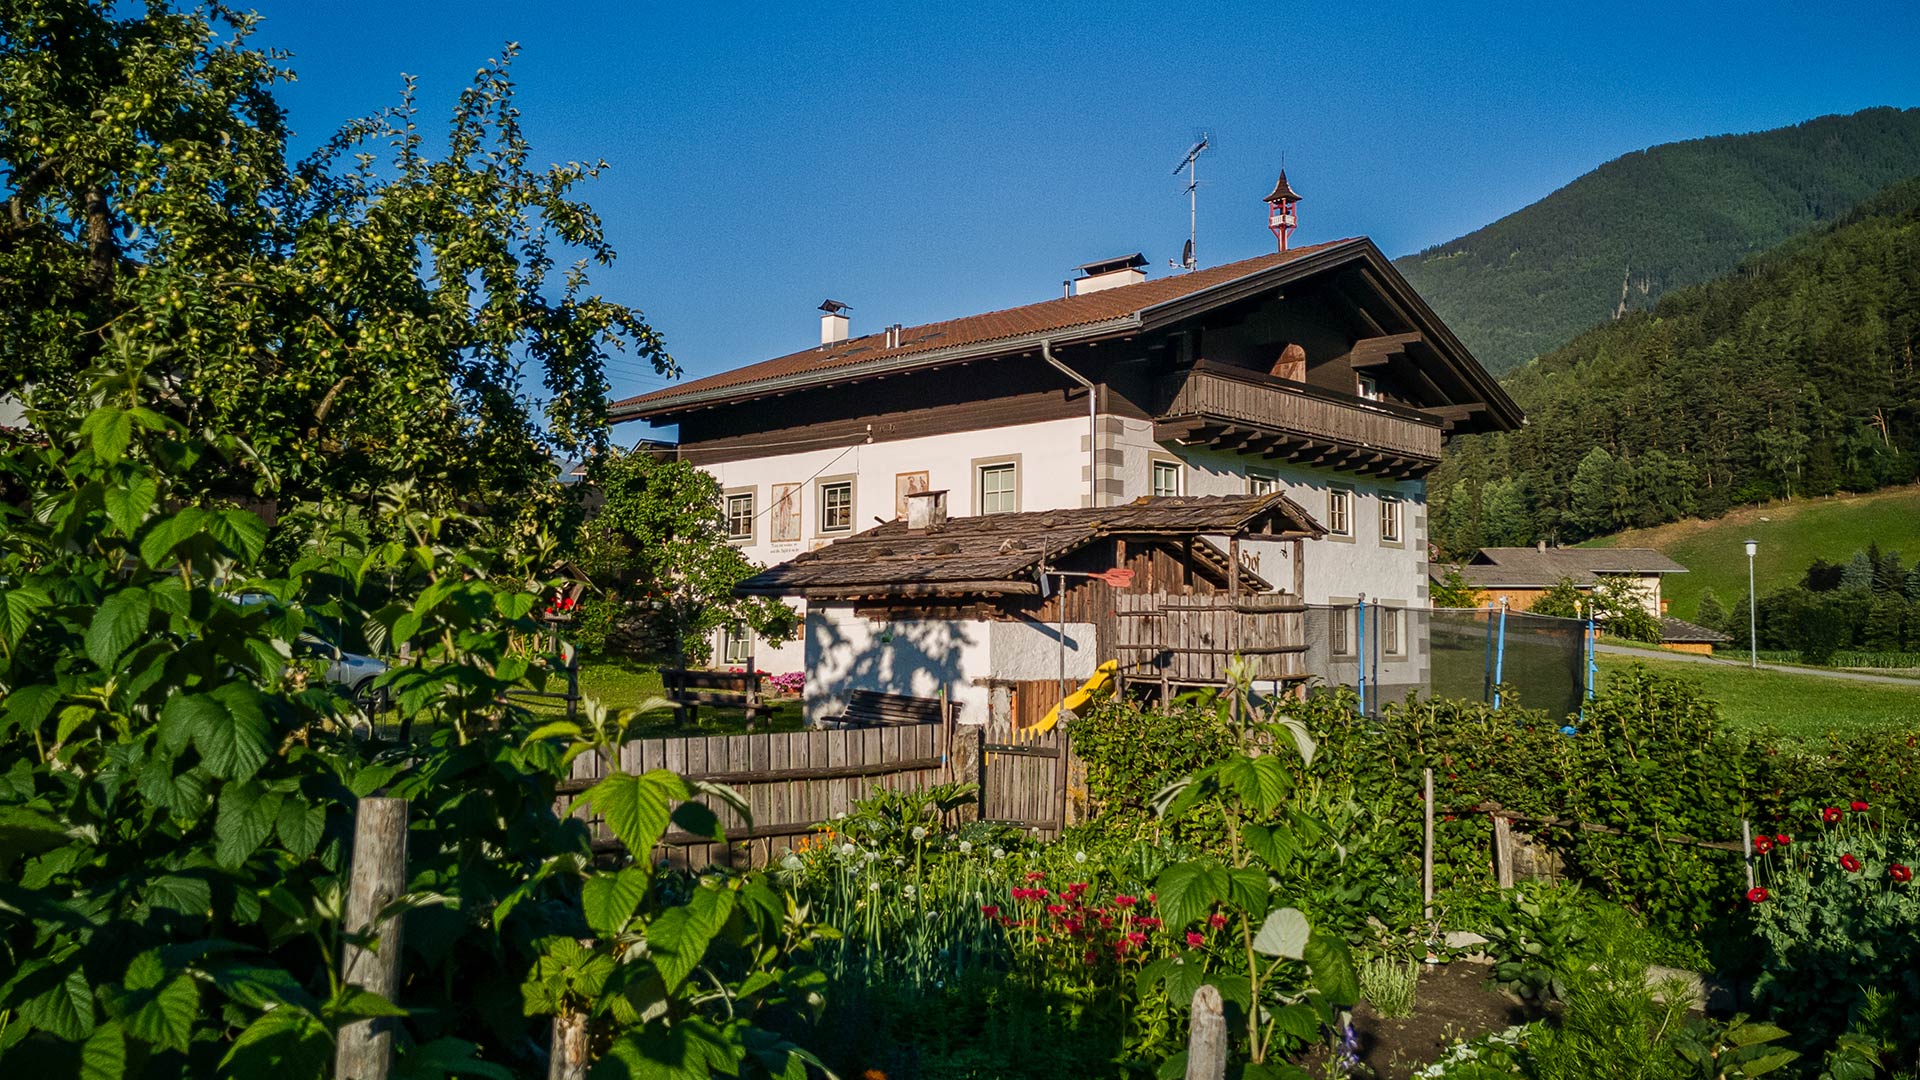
(1024, 781)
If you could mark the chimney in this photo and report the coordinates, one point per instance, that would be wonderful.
(926, 509)
(833, 322)
(893, 335)
(1110, 274)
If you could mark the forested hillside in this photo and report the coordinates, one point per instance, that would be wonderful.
(1652, 221)
(1798, 374)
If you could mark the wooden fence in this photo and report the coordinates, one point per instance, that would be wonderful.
(1191, 639)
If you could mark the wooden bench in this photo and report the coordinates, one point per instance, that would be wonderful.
(690, 689)
(871, 708)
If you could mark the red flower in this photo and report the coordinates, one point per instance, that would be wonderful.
(1900, 873)
(1056, 909)
(1757, 895)
(1857, 806)
(1783, 839)
(1831, 814)
(1035, 875)
(1123, 900)
(989, 910)
(1039, 939)
(1136, 938)
(1216, 920)
(1148, 921)
(1850, 864)
(1762, 844)
(1196, 939)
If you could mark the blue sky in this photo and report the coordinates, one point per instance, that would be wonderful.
(920, 162)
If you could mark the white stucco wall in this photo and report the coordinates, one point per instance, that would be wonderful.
(846, 652)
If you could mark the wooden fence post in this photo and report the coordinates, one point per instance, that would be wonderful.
(1746, 849)
(379, 876)
(1206, 1037)
(567, 1056)
(1502, 850)
(1426, 853)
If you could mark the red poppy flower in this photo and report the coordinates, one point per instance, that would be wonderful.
(1216, 920)
(1831, 814)
(1125, 901)
(1762, 844)
(1039, 939)
(1900, 873)
(1757, 895)
(1857, 806)
(1196, 939)
(1783, 839)
(1850, 864)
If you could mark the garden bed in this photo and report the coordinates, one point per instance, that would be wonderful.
(1455, 1002)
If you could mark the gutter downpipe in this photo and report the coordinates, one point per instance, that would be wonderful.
(1093, 419)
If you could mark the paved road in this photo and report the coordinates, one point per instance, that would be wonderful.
(1695, 658)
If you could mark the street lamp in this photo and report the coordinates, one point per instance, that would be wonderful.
(1753, 607)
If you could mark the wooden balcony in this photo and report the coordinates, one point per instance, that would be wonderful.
(1246, 412)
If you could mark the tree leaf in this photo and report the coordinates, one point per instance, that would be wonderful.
(169, 533)
(1284, 933)
(637, 808)
(65, 1009)
(246, 819)
(1187, 891)
(678, 939)
(300, 826)
(232, 738)
(117, 623)
(17, 609)
(129, 504)
(1332, 967)
(609, 899)
(166, 1019)
(177, 892)
(283, 1044)
(104, 1055)
(24, 832)
(240, 532)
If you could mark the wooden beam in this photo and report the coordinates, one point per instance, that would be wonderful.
(1458, 412)
(1380, 351)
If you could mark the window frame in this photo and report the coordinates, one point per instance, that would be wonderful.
(1160, 461)
(821, 528)
(1394, 620)
(1394, 509)
(1255, 478)
(1345, 495)
(727, 498)
(1366, 388)
(980, 468)
(1344, 630)
(731, 636)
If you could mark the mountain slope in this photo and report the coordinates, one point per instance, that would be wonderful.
(1652, 221)
(1796, 375)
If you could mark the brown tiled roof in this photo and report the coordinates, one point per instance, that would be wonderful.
(1049, 316)
(971, 554)
(1681, 632)
(1523, 567)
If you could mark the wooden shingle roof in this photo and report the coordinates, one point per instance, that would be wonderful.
(1000, 554)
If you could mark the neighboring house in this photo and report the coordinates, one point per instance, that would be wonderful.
(1317, 372)
(1516, 576)
(970, 610)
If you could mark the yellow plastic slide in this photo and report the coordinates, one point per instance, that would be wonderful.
(1077, 700)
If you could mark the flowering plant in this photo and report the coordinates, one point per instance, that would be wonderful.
(790, 682)
(1836, 917)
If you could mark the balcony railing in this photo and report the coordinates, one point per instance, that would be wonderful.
(1231, 407)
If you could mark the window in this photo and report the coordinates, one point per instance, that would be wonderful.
(836, 506)
(1392, 622)
(1389, 520)
(999, 488)
(740, 516)
(1258, 484)
(786, 514)
(1166, 478)
(1340, 629)
(1369, 389)
(1340, 512)
(736, 646)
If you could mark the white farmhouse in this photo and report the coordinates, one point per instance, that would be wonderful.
(1317, 372)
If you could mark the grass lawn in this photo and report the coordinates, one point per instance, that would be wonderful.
(1791, 535)
(1802, 706)
(625, 684)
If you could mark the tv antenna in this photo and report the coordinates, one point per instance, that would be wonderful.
(1191, 163)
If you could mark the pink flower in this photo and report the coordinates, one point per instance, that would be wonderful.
(1216, 920)
(1035, 875)
(1196, 939)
